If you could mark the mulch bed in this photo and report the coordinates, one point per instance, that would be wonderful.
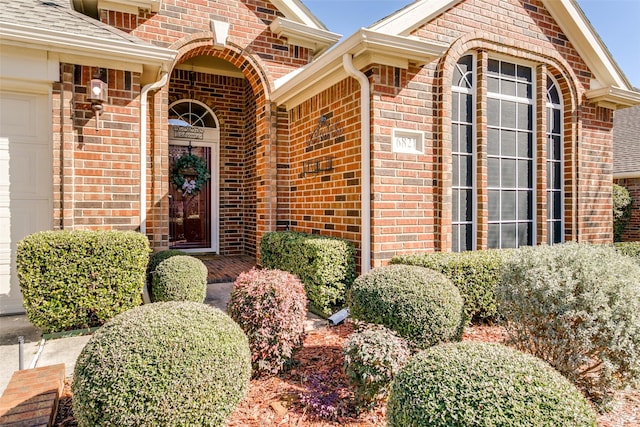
(315, 392)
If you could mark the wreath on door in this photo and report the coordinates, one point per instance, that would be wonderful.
(189, 173)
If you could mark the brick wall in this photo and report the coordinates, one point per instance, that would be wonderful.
(411, 205)
(632, 230)
(412, 196)
(322, 201)
(249, 28)
(96, 172)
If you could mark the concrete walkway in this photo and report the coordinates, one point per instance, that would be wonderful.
(67, 350)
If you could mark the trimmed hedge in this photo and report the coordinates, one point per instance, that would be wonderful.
(576, 306)
(474, 273)
(180, 278)
(325, 265)
(480, 384)
(419, 304)
(162, 364)
(271, 307)
(80, 279)
(630, 249)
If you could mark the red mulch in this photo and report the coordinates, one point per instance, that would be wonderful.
(316, 384)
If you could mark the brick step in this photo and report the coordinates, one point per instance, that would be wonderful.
(31, 398)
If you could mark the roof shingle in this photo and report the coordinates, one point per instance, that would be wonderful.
(57, 15)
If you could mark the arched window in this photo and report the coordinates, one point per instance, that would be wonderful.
(463, 153)
(555, 172)
(507, 146)
(193, 113)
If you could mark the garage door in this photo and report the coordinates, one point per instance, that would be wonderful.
(26, 182)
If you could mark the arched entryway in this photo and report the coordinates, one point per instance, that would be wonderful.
(194, 150)
(221, 85)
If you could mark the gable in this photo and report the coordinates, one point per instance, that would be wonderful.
(608, 86)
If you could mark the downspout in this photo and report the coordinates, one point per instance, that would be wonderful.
(365, 159)
(143, 148)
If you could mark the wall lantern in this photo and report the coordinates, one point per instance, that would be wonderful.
(97, 94)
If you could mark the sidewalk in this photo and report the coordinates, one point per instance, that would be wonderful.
(67, 350)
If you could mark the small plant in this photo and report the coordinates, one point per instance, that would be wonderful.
(419, 304)
(325, 398)
(162, 364)
(576, 306)
(270, 306)
(180, 278)
(622, 203)
(372, 357)
(480, 384)
(80, 279)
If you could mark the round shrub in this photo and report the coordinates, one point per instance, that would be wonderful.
(480, 384)
(180, 278)
(576, 306)
(170, 363)
(156, 258)
(270, 307)
(372, 357)
(419, 304)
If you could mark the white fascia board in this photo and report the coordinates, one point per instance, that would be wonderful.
(302, 35)
(623, 175)
(583, 37)
(613, 97)
(126, 5)
(414, 15)
(79, 45)
(296, 11)
(327, 70)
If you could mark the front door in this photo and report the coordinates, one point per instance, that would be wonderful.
(191, 207)
(193, 180)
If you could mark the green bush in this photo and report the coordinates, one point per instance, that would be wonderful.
(419, 304)
(162, 364)
(372, 357)
(179, 278)
(271, 307)
(325, 265)
(79, 279)
(157, 257)
(622, 203)
(630, 249)
(576, 306)
(474, 273)
(480, 384)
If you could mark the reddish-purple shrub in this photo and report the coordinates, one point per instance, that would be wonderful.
(270, 307)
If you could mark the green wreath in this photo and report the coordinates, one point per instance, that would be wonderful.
(189, 173)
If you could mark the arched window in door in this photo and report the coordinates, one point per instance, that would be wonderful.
(192, 113)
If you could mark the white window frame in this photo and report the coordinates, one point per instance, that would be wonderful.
(534, 129)
(474, 186)
(561, 161)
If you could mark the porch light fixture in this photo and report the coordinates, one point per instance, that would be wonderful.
(97, 95)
